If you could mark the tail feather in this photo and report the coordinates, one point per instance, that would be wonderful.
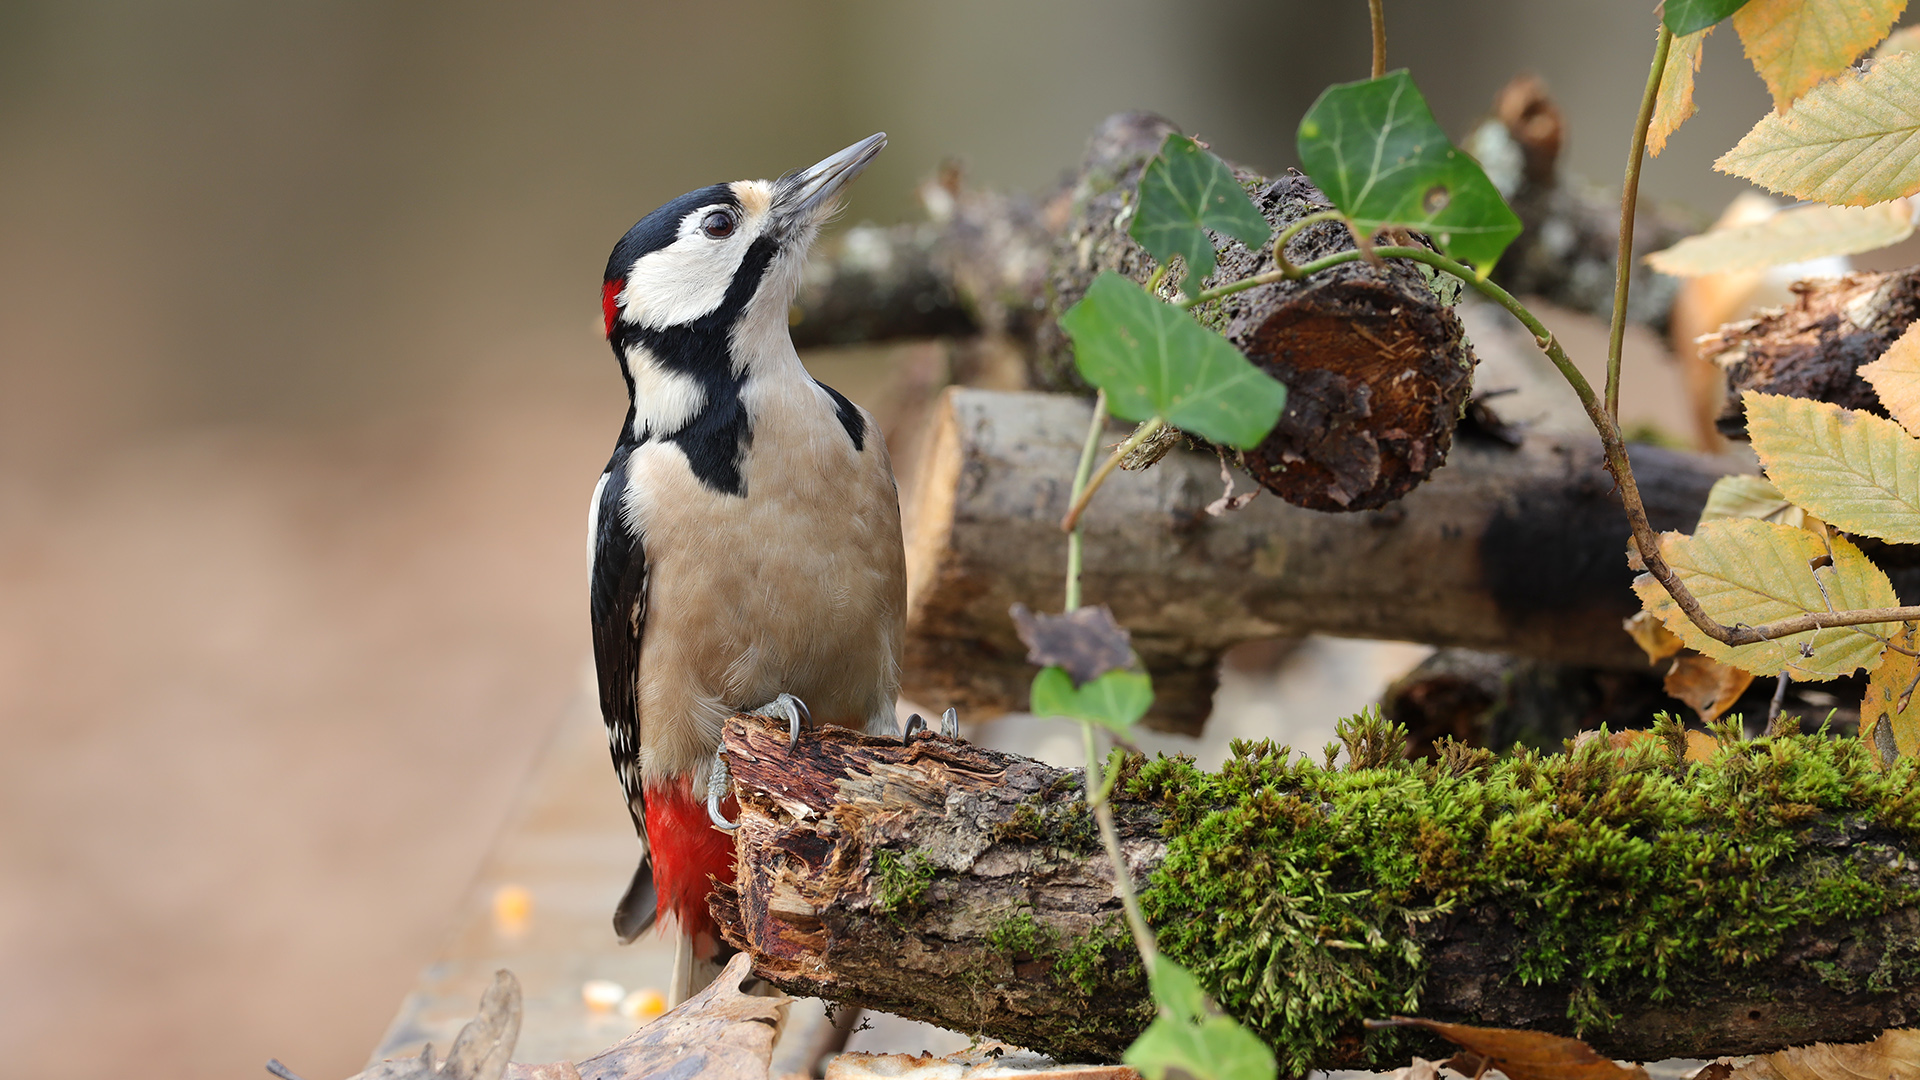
(640, 906)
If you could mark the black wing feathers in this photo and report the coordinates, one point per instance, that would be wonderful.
(618, 597)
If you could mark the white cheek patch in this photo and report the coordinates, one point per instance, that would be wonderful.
(689, 277)
(664, 401)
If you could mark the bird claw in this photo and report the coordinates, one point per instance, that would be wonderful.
(916, 724)
(792, 710)
(719, 778)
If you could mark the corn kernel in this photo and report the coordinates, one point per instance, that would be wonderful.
(643, 1005)
(602, 995)
(512, 908)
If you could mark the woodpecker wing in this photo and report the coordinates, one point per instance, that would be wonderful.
(619, 603)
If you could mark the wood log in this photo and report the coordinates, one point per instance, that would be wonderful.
(1813, 348)
(1516, 550)
(1764, 899)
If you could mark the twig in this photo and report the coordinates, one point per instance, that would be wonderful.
(1379, 16)
(1779, 699)
(1110, 839)
(1629, 198)
(1080, 473)
(1086, 489)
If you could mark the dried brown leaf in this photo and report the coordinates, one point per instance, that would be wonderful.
(717, 1034)
(1652, 636)
(1709, 686)
(1675, 102)
(1889, 717)
(1525, 1055)
(1895, 1055)
(1796, 43)
(1088, 643)
(1701, 746)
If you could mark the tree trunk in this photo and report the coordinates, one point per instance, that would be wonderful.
(1518, 550)
(968, 888)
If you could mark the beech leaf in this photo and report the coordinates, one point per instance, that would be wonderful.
(1895, 1055)
(1525, 1055)
(1675, 102)
(1707, 685)
(1896, 378)
(1790, 236)
(1854, 141)
(1889, 725)
(1750, 497)
(1753, 572)
(1796, 43)
(1652, 636)
(1859, 472)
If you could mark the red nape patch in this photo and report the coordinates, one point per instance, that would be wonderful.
(687, 851)
(610, 301)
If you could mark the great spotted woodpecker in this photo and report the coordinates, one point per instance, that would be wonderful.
(745, 535)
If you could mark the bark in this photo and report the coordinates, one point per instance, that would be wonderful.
(1813, 348)
(964, 887)
(1518, 550)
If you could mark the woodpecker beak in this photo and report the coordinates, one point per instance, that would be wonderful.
(808, 195)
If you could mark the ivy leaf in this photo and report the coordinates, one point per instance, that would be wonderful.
(1184, 191)
(1375, 150)
(1796, 43)
(1675, 101)
(1152, 359)
(1854, 141)
(1807, 232)
(1889, 719)
(1114, 700)
(1191, 1038)
(1858, 471)
(1689, 16)
(1754, 572)
(1750, 497)
(1896, 378)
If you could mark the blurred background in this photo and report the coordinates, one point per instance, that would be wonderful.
(302, 396)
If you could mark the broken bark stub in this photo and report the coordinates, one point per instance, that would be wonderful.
(1376, 366)
(1813, 348)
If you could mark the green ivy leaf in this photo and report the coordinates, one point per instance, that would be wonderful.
(1191, 1038)
(1687, 16)
(1375, 150)
(1184, 191)
(1152, 359)
(1114, 700)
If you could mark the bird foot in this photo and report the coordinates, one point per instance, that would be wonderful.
(949, 726)
(720, 778)
(792, 710)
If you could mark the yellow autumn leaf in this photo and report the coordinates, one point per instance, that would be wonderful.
(1652, 636)
(1709, 686)
(1790, 236)
(1754, 572)
(1905, 39)
(1854, 141)
(1895, 1055)
(1796, 43)
(1675, 102)
(1889, 725)
(1858, 471)
(1896, 378)
(1750, 497)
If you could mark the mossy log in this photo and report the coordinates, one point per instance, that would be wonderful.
(1654, 907)
(1518, 550)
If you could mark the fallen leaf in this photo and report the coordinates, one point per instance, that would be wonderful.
(1525, 1055)
(1852, 142)
(1675, 102)
(1796, 43)
(1896, 378)
(1888, 725)
(1652, 636)
(1895, 1055)
(1701, 746)
(1756, 572)
(1708, 686)
(1087, 643)
(1790, 236)
(718, 1034)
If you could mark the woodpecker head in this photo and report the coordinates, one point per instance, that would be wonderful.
(731, 252)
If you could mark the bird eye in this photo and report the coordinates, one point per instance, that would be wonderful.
(718, 225)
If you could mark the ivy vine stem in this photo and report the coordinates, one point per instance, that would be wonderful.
(1080, 501)
(1614, 446)
(1097, 798)
(1376, 12)
(1087, 449)
(1629, 200)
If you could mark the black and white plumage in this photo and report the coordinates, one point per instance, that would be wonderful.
(746, 532)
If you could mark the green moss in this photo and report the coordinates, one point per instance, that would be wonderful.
(1297, 893)
(1019, 937)
(902, 882)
